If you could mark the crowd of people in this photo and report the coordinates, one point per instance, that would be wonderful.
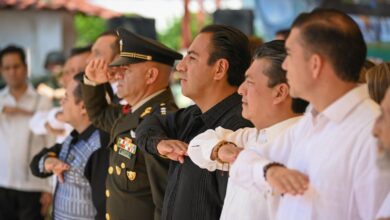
(294, 128)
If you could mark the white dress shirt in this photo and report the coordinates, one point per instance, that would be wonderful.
(244, 203)
(336, 150)
(17, 143)
(40, 118)
(384, 211)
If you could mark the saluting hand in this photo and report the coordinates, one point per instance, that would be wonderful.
(173, 149)
(97, 71)
(56, 166)
(285, 180)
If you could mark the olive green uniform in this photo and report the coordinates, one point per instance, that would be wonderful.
(136, 181)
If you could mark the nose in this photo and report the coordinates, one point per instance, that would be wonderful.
(118, 73)
(284, 64)
(180, 67)
(241, 89)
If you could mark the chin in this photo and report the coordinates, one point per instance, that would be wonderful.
(245, 115)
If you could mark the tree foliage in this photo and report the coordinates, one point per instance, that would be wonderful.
(88, 28)
(172, 35)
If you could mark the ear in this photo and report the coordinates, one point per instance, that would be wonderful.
(316, 65)
(222, 66)
(83, 109)
(151, 75)
(280, 93)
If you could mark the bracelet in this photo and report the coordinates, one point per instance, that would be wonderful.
(272, 164)
(218, 147)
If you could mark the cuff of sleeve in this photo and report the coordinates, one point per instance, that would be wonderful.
(248, 169)
(52, 120)
(200, 149)
(41, 164)
(89, 82)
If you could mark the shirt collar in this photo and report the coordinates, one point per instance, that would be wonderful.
(340, 108)
(277, 128)
(139, 104)
(29, 92)
(85, 135)
(212, 115)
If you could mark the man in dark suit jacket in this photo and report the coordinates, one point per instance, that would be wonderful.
(136, 181)
(210, 74)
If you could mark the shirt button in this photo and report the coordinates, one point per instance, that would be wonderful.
(115, 148)
(107, 216)
(110, 170)
(107, 193)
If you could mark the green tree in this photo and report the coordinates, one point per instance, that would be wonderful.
(172, 35)
(88, 28)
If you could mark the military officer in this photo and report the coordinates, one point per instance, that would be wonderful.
(136, 181)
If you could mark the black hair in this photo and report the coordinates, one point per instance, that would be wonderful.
(80, 50)
(336, 36)
(77, 92)
(231, 44)
(275, 53)
(12, 49)
(284, 33)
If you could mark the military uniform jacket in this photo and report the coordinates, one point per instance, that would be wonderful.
(136, 181)
(192, 192)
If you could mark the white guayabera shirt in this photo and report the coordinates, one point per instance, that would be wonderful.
(336, 150)
(242, 202)
(18, 144)
(384, 211)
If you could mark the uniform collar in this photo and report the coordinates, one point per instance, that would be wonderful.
(145, 100)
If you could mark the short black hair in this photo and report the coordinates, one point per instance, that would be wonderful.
(231, 44)
(275, 53)
(283, 32)
(336, 36)
(80, 50)
(13, 49)
(77, 92)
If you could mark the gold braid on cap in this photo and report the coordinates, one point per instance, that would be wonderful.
(136, 55)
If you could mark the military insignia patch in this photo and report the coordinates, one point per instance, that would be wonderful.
(126, 147)
(146, 112)
(131, 175)
(125, 153)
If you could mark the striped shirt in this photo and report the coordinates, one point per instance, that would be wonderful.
(73, 198)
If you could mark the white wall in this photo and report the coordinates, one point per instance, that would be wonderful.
(39, 32)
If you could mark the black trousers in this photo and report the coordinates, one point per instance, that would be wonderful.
(19, 205)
